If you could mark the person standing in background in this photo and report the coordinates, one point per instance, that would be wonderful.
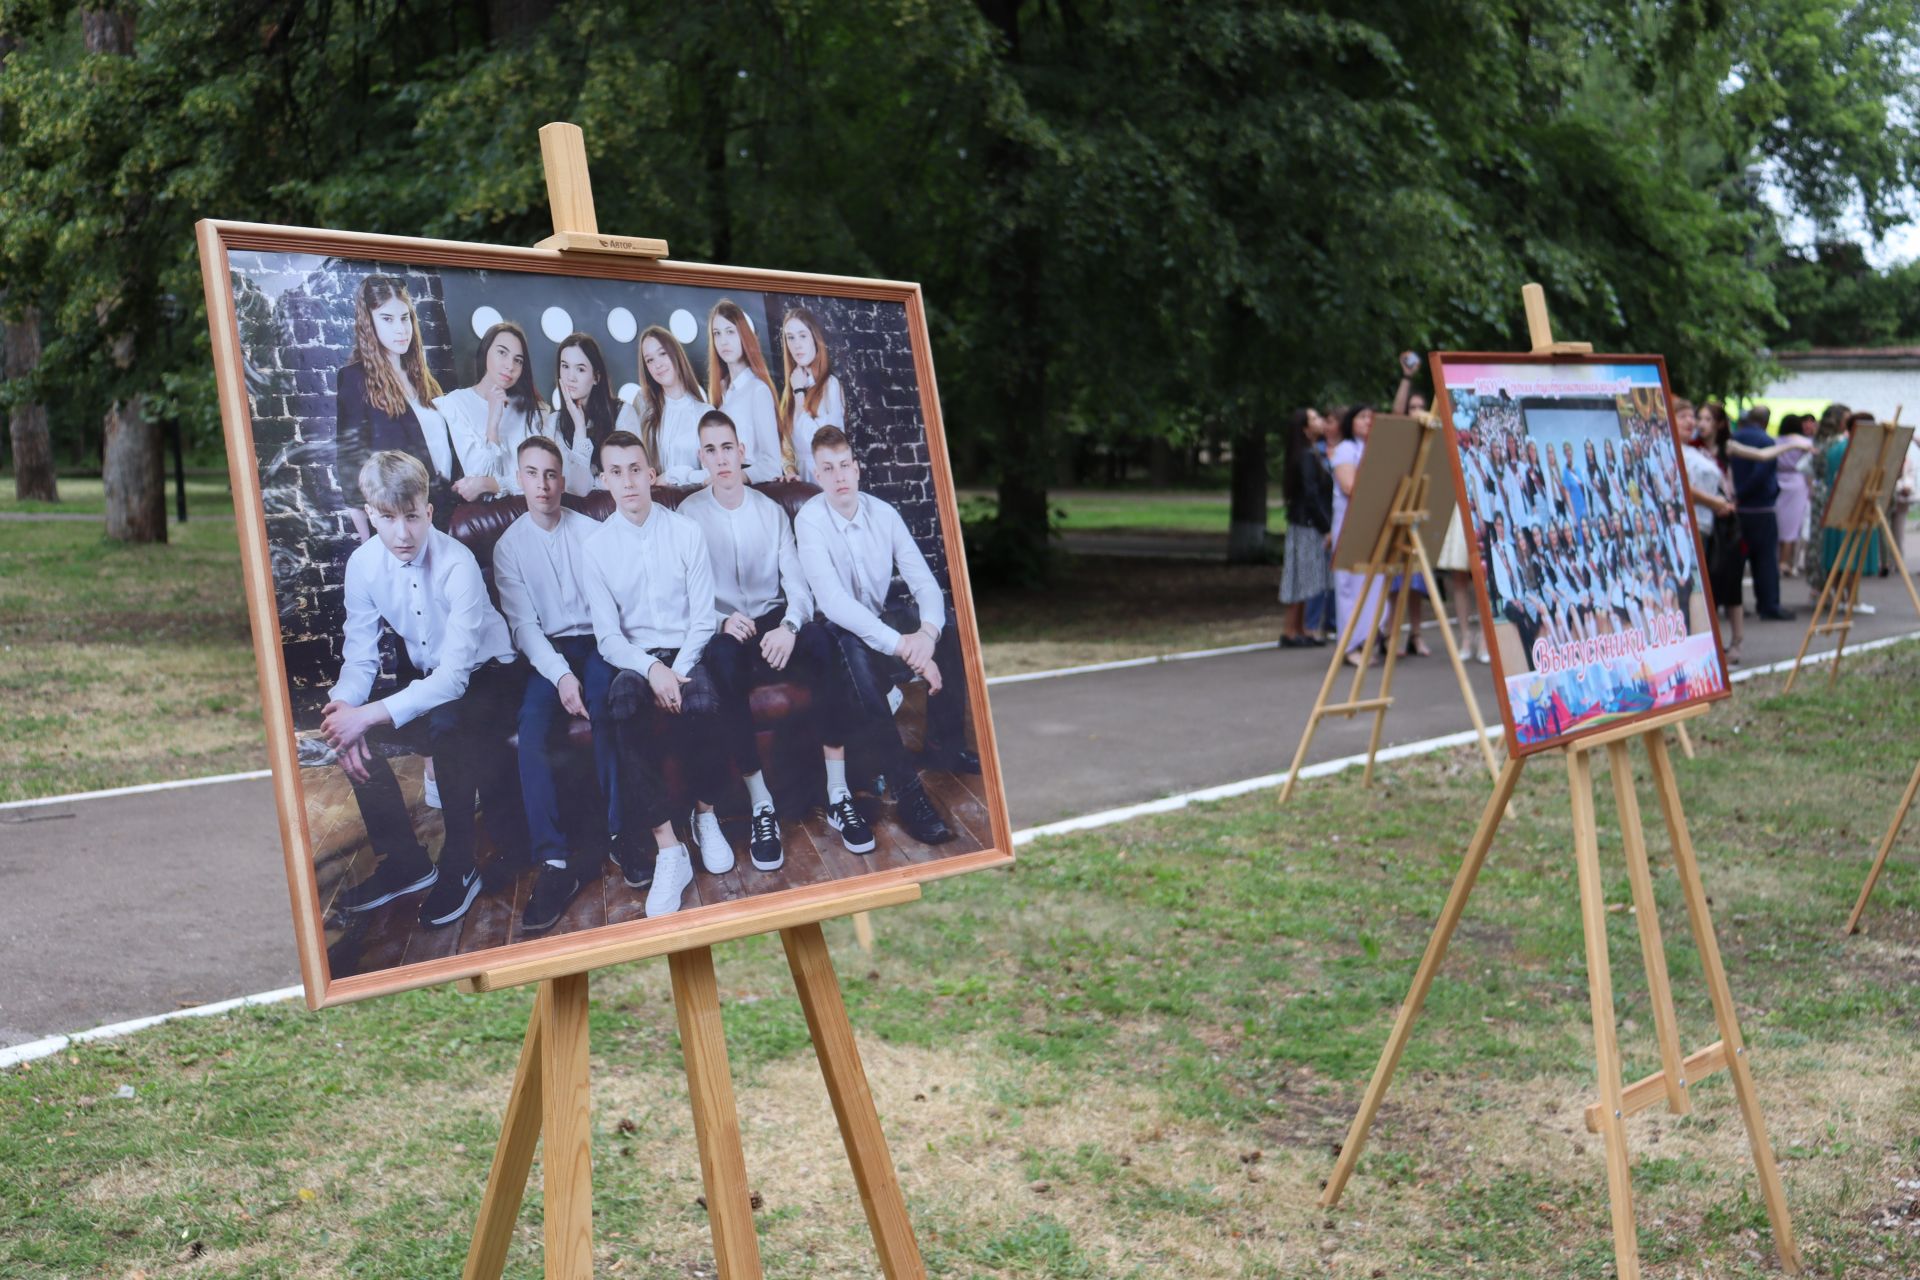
(1308, 486)
(666, 413)
(487, 421)
(1756, 489)
(739, 385)
(384, 394)
(812, 397)
(1790, 510)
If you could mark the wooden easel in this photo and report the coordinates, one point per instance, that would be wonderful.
(1840, 594)
(1607, 1117)
(1886, 847)
(1397, 552)
(549, 1103)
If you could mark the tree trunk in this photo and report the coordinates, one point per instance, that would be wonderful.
(107, 29)
(135, 475)
(1247, 519)
(33, 475)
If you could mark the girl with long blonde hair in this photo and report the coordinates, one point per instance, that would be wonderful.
(739, 385)
(812, 397)
(665, 413)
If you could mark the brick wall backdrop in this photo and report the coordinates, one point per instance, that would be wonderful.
(873, 358)
(294, 346)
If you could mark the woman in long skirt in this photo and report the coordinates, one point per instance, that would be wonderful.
(1308, 485)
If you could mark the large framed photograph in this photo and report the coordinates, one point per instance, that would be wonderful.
(594, 598)
(1584, 551)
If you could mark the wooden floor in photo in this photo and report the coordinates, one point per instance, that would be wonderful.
(392, 935)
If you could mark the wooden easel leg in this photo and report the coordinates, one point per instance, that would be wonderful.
(1386, 672)
(1606, 1049)
(1685, 739)
(1430, 962)
(716, 1124)
(1899, 558)
(1320, 700)
(1861, 548)
(1820, 607)
(863, 931)
(512, 1157)
(833, 1043)
(1886, 847)
(1653, 951)
(1771, 1190)
(1459, 666)
(567, 1124)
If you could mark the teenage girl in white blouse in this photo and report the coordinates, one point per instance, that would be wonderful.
(738, 383)
(812, 397)
(666, 412)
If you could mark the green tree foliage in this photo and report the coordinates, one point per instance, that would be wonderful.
(1134, 220)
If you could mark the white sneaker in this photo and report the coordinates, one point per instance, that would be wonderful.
(716, 855)
(433, 792)
(672, 873)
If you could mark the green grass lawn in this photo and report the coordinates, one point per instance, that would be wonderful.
(1129, 1057)
(1176, 511)
(208, 495)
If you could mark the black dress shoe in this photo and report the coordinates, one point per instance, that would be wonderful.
(555, 888)
(634, 855)
(952, 759)
(396, 876)
(627, 694)
(917, 814)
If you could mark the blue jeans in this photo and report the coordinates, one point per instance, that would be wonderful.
(1319, 611)
(542, 718)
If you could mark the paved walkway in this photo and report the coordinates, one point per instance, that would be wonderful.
(132, 905)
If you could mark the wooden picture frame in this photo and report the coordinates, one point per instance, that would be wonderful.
(1582, 377)
(556, 953)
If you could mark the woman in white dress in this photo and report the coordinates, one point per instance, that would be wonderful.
(488, 420)
(740, 387)
(582, 415)
(813, 397)
(666, 412)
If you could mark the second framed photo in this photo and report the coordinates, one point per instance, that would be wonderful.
(1583, 542)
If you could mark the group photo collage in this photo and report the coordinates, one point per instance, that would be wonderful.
(600, 600)
(1582, 521)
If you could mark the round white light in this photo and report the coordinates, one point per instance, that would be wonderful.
(556, 323)
(628, 390)
(684, 326)
(484, 318)
(620, 324)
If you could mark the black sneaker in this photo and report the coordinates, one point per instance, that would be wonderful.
(763, 842)
(634, 855)
(395, 877)
(953, 759)
(451, 897)
(917, 814)
(627, 694)
(855, 834)
(552, 892)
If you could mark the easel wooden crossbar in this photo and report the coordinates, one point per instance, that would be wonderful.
(1678, 1071)
(1398, 553)
(549, 1105)
(1840, 594)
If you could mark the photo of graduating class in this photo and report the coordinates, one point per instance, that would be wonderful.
(1587, 560)
(604, 602)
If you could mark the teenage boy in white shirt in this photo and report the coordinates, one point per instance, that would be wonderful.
(428, 588)
(765, 628)
(650, 591)
(851, 545)
(537, 570)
